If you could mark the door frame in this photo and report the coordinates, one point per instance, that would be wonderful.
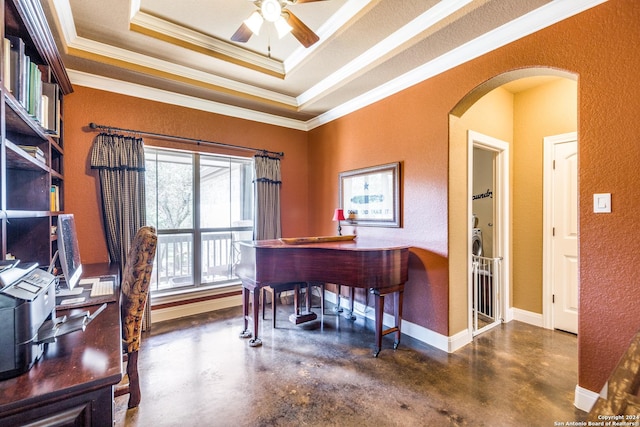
(502, 219)
(547, 225)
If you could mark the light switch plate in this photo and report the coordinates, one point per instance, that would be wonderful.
(602, 203)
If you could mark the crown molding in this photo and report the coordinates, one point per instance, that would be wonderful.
(91, 49)
(349, 10)
(540, 18)
(139, 91)
(126, 59)
(382, 49)
(536, 20)
(146, 23)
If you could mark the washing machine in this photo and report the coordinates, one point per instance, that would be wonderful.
(476, 242)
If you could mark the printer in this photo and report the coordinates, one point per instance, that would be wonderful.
(27, 301)
(28, 316)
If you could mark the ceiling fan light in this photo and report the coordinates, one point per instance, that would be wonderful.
(282, 27)
(271, 10)
(254, 22)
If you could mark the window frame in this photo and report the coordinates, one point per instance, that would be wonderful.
(197, 232)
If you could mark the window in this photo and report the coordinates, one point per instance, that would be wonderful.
(201, 204)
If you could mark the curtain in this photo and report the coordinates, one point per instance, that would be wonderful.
(119, 160)
(267, 197)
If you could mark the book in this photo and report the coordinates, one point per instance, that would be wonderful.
(32, 149)
(17, 68)
(51, 113)
(6, 64)
(55, 198)
(34, 152)
(35, 91)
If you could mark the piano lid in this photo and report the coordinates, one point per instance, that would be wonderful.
(355, 244)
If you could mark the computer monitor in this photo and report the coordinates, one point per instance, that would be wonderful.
(68, 250)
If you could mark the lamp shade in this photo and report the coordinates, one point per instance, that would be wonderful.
(338, 215)
(254, 22)
(282, 27)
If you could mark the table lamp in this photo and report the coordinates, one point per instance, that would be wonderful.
(338, 215)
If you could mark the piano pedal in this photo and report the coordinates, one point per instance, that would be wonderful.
(297, 319)
(349, 315)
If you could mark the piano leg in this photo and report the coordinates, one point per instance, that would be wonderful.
(379, 314)
(352, 298)
(251, 297)
(245, 313)
(338, 307)
(398, 296)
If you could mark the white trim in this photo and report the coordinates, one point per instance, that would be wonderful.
(131, 89)
(533, 21)
(196, 38)
(549, 14)
(420, 333)
(509, 315)
(528, 317)
(160, 315)
(382, 49)
(73, 41)
(331, 26)
(136, 59)
(584, 399)
(547, 224)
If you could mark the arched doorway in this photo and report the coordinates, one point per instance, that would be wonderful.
(520, 107)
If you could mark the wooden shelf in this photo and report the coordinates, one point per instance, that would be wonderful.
(26, 182)
(17, 158)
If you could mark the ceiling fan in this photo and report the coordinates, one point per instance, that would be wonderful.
(276, 12)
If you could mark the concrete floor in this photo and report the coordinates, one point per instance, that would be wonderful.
(196, 371)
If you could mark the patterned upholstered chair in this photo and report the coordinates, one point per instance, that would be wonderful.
(135, 291)
(623, 390)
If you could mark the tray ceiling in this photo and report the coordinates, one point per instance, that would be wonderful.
(181, 52)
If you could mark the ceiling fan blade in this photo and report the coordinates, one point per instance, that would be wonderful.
(300, 31)
(242, 34)
(306, 1)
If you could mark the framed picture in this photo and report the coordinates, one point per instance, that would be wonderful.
(371, 196)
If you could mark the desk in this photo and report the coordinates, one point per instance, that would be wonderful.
(378, 266)
(73, 382)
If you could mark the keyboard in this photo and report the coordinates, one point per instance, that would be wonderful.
(101, 288)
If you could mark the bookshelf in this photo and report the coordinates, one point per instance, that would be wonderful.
(34, 82)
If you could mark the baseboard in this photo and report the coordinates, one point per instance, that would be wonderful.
(529, 317)
(420, 333)
(183, 310)
(585, 399)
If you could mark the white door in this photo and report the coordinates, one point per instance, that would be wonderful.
(564, 235)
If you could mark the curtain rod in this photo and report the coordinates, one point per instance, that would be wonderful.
(184, 139)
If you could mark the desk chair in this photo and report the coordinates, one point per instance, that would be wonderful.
(276, 290)
(135, 291)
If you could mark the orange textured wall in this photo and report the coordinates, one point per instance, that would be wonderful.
(86, 105)
(600, 45)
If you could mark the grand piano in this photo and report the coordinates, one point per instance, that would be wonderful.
(378, 266)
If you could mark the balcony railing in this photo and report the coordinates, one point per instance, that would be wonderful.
(174, 264)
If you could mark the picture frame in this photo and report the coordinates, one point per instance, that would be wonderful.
(371, 196)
